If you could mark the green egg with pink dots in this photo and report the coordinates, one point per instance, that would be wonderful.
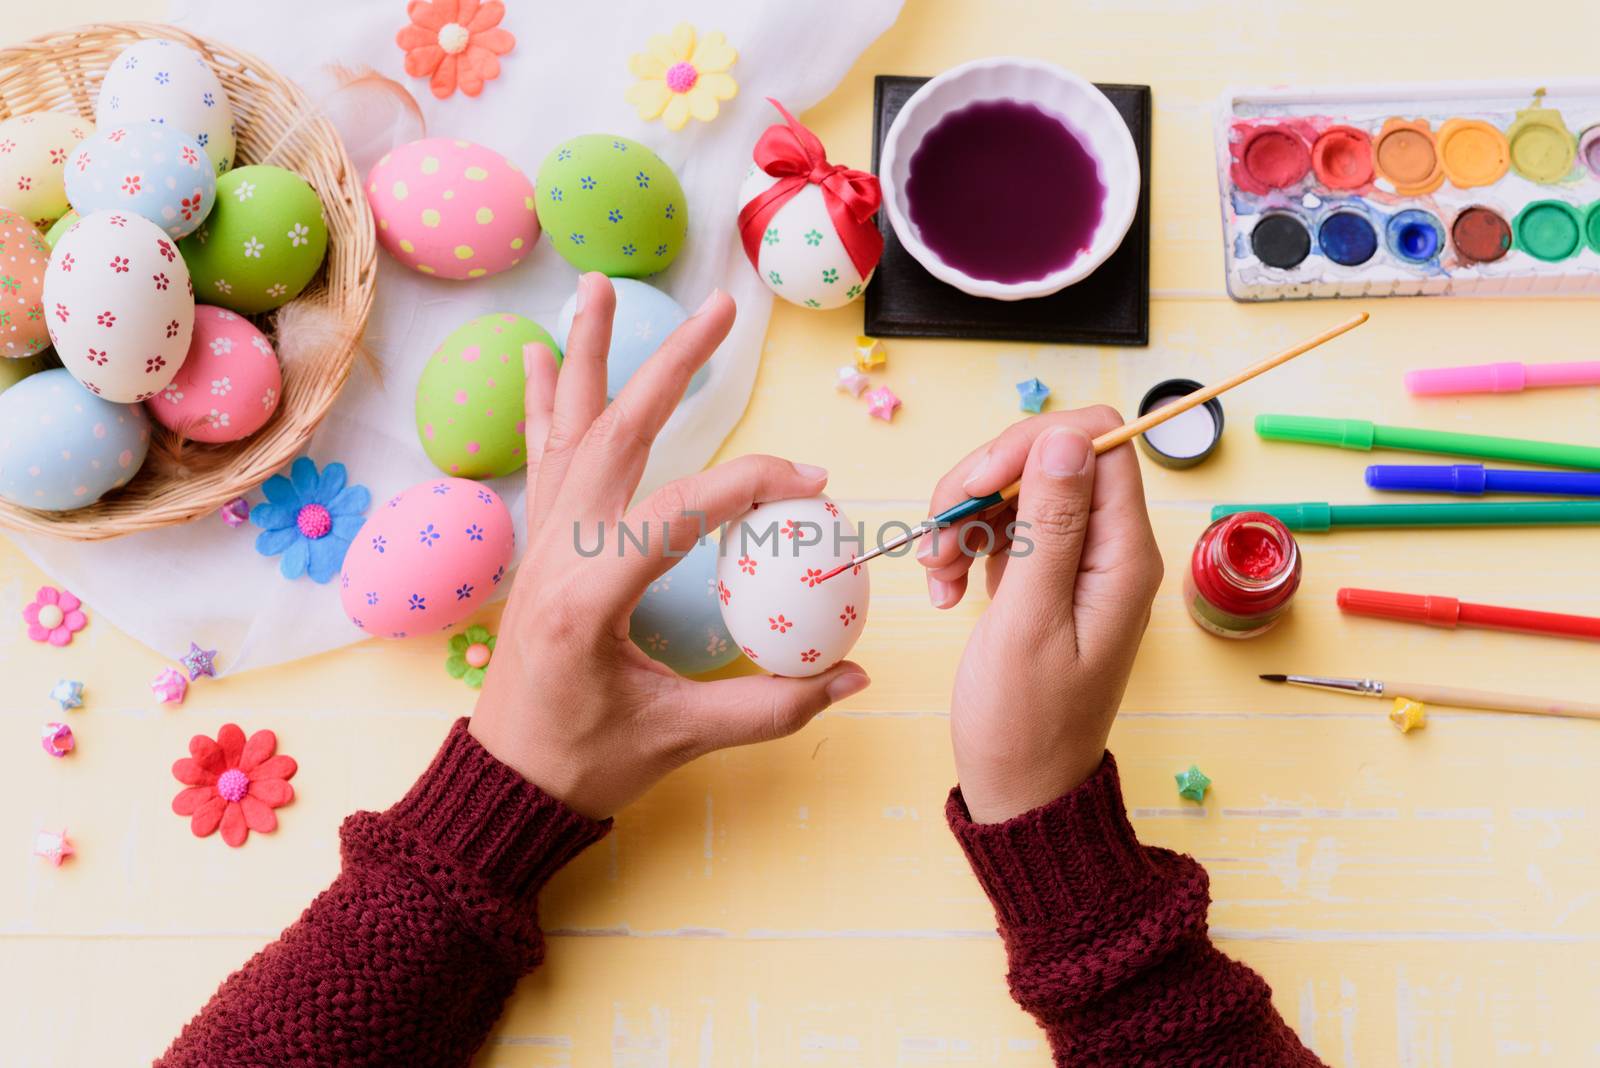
(261, 244)
(611, 205)
(470, 409)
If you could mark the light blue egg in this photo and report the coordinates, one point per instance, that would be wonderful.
(644, 318)
(61, 447)
(679, 622)
(147, 168)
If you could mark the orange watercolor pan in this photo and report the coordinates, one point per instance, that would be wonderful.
(1473, 153)
(1407, 154)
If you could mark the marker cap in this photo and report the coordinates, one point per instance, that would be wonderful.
(1428, 478)
(1481, 378)
(1417, 608)
(1314, 430)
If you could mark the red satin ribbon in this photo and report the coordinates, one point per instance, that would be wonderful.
(794, 155)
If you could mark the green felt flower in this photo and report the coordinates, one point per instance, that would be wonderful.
(475, 644)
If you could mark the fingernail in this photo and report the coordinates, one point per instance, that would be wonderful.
(527, 359)
(977, 473)
(811, 471)
(928, 545)
(1064, 453)
(941, 593)
(583, 285)
(851, 682)
(706, 304)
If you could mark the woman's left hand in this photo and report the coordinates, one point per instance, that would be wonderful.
(570, 702)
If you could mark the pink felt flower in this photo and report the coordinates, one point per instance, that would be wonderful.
(455, 44)
(54, 616)
(233, 783)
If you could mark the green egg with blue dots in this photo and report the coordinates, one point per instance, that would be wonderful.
(611, 205)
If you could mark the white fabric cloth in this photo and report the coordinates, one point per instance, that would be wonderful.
(566, 76)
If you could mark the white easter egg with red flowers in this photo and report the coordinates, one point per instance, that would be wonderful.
(769, 580)
(119, 306)
(229, 384)
(427, 559)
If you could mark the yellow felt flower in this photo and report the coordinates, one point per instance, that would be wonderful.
(679, 77)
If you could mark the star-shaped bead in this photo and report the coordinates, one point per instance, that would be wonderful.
(198, 661)
(1032, 394)
(1408, 715)
(170, 686)
(849, 380)
(1193, 784)
(870, 354)
(236, 511)
(53, 846)
(881, 403)
(68, 693)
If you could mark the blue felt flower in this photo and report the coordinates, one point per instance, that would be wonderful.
(310, 519)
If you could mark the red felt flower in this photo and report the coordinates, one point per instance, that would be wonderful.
(233, 783)
(455, 44)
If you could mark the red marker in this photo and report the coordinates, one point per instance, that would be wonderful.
(1451, 613)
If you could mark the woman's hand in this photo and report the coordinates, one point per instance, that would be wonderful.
(570, 702)
(1045, 668)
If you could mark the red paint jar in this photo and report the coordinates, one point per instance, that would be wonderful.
(1243, 575)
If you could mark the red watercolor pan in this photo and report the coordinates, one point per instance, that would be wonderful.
(1272, 157)
(1342, 157)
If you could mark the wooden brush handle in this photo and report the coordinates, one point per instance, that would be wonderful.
(1128, 431)
(1457, 697)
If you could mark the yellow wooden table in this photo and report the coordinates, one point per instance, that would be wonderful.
(1415, 900)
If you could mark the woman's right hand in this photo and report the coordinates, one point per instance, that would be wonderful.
(1044, 671)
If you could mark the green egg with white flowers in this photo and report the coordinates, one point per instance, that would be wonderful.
(471, 417)
(59, 227)
(261, 244)
(611, 205)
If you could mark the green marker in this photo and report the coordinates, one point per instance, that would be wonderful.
(1317, 516)
(1360, 434)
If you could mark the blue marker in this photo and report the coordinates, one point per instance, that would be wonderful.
(1476, 480)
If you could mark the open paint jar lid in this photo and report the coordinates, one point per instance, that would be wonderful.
(1184, 440)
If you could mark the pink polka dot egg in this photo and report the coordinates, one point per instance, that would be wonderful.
(427, 558)
(229, 384)
(452, 209)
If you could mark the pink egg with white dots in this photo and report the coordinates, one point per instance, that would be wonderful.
(427, 558)
(452, 209)
(229, 384)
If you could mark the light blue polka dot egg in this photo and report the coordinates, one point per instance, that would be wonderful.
(644, 318)
(145, 168)
(61, 447)
(679, 622)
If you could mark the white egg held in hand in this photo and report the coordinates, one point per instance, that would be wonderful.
(769, 581)
(162, 81)
(802, 258)
(61, 448)
(118, 304)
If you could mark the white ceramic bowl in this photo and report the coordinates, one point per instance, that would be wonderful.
(1074, 101)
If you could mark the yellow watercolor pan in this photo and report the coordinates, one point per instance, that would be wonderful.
(1473, 153)
(1542, 148)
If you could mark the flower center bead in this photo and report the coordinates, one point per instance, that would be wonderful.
(477, 655)
(50, 616)
(233, 784)
(453, 37)
(314, 521)
(681, 77)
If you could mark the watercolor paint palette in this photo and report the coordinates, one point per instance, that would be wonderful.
(1431, 190)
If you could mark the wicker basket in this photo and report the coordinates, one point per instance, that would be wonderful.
(275, 124)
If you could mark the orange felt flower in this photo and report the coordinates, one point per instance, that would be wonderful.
(455, 44)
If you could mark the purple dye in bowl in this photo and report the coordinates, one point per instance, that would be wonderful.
(1005, 192)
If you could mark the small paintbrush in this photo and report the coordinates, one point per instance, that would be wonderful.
(1105, 442)
(1453, 696)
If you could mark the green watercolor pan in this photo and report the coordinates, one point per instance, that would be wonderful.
(1446, 189)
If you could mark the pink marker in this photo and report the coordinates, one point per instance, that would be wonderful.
(1502, 377)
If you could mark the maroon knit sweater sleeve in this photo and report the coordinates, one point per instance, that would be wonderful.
(408, 957)
(1107, 939)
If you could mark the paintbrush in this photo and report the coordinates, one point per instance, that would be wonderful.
(1454, 696)
(1105, 442)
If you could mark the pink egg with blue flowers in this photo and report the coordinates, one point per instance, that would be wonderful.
(452, 209)
(427, 558)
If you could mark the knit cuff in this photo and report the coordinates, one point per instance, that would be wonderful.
(489, 819)
(1066, 862)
